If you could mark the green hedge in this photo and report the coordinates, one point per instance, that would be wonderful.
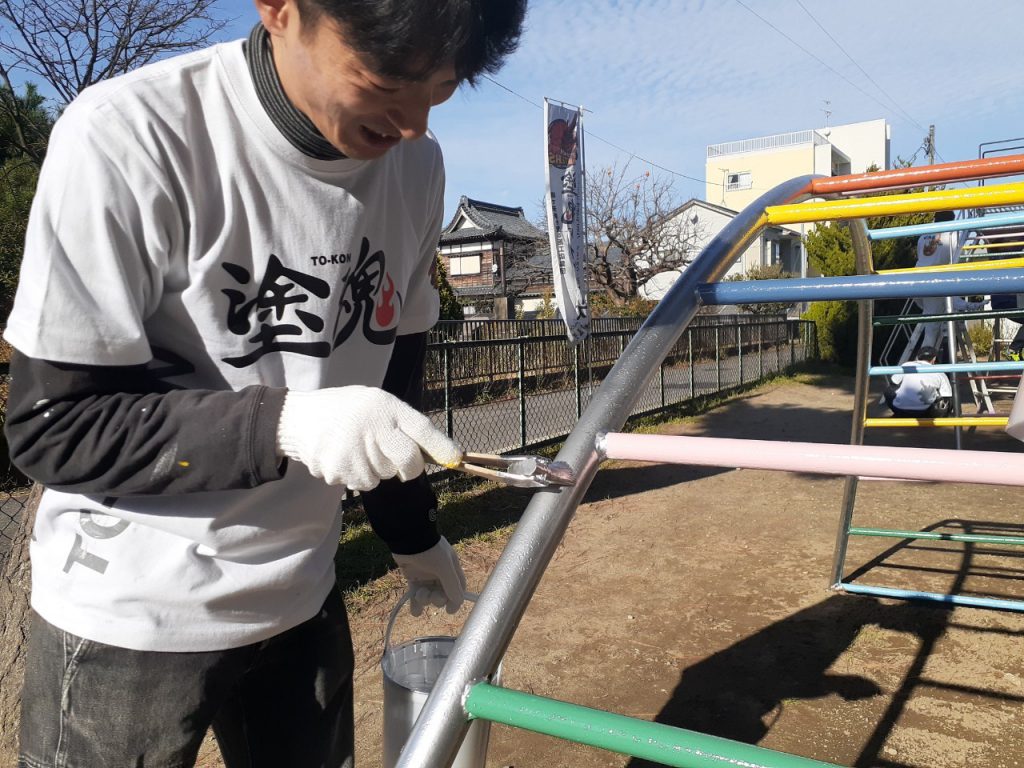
(836, 323)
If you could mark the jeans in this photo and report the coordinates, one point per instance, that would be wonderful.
(285, 702)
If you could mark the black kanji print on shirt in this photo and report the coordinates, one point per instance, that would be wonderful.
(369, 293)
(281, 324)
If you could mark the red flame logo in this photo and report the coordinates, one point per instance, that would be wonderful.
(385, 311)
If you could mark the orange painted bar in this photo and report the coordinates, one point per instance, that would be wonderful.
(900, 178)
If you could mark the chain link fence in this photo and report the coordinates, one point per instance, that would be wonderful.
(512, 385)
(14, 487)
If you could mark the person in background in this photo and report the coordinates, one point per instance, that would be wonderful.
(920, 395)
(933, 250)
(221, 325)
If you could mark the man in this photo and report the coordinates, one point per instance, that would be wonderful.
(222, 307)
(933, 250)
(922, 394)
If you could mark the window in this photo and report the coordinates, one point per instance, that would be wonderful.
(464, 265)
(739, 180)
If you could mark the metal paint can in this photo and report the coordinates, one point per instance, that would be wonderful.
(409, 672)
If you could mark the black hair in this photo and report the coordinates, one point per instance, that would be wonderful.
(411, 39)
(945, 215)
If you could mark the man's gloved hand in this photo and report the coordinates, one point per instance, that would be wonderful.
(357, 436)
(435, 578)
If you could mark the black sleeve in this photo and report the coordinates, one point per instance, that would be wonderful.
(404, 515)
(117, 431)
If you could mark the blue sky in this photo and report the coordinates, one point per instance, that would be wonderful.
(665, 78)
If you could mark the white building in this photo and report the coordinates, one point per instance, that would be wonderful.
(738, 172)
(774, 245)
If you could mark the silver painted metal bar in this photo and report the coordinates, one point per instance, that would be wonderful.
(865, 309)
(489, 628)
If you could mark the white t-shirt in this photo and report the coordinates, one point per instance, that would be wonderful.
(917, 391)
(175, 226)
(934, 249)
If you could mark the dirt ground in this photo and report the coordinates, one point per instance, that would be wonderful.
(699, 598)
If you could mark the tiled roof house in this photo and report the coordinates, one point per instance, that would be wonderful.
(477, 250)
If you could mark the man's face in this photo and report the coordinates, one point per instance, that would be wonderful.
(359, 112)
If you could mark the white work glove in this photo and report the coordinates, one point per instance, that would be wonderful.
(435, 578)
(357, 436)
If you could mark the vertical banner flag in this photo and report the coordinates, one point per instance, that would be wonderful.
(565, 203)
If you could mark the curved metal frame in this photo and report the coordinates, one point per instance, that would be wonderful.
(862, 383)
(488, 630)
(504, 599)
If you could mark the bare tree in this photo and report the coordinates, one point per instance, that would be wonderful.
(71, 44)
(527, 265)
(632, 233)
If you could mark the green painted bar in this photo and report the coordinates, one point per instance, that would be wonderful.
(664, 744)
(897, 319)
(971, 537)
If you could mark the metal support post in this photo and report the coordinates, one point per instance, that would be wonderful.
(576, 379)
(522, 393)
(760, 350)
(448, 410)
(689, 360)
(739, 350)
(718, 356)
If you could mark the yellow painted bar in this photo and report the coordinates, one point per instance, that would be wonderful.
(994, 244)
(888, 205)
(946, 421)
(959, 267)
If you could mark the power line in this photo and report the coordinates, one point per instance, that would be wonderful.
(592, 135)
(858, 66)
(821, 61)
(864, 72)
(506, 88)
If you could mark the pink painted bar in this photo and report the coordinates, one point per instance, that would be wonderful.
(986, 467)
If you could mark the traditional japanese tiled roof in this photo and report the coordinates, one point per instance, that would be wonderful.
(488, 221)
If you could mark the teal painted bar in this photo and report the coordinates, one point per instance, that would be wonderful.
(898, 319)
(664, 744)
(971, 537)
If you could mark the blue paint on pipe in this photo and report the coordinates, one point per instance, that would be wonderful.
(934, 597)
(958, 225)
(856, 287)
(893, 370)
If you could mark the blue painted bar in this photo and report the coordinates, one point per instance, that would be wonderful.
(958, 225)
(855, 287)
(934, 597)
(892, 370)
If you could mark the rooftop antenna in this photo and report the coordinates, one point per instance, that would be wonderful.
(828, 114)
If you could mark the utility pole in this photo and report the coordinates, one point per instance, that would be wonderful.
(931, 144)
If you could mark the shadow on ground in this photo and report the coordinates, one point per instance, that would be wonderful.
(739, 693)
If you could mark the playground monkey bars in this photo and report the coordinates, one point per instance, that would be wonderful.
(462, 690)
